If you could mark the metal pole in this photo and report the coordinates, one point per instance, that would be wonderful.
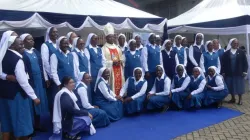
(247, 43)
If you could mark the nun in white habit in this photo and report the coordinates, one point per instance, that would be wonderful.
(196, 89)
(13, 100)
(122, 43)
(48, 48)
(159, 97)
(180, 85)
(150, 58)
(216, 88)
(180, 50)
(105, 98)
(100, 117)
(62, 64)
(234, 69)
(195, 52)
(95, 56)
(38, 78)
(5, 36)
(210, 58)
(133, 92)
(80, 57)
(70, 36)
(217, 48)
(137, 38)
(131, 59)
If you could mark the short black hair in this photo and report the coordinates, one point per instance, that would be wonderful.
(65, 80)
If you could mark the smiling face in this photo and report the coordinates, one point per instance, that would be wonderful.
(216, 44)
(168, 45)
(28, 42)
(138, 74)
(132, 46)
(64, 45)
(180, 71)
(80, 44)
(93, 41)
(210, 46)
(121, 40)
(110, 39)
(18, 46)
(178, 41)
(235, 44)
(53, 34)
(86, 79)
(159, 71)
(196, 72)
(106, 74)
(199, 39)
(211, 72)
(70, 85)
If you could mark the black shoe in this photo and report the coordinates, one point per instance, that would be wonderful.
(219, 105)
(41, 129)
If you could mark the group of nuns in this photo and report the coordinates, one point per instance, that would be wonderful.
(158, 76)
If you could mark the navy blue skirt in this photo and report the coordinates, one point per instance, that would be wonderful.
(212, 97)
(236, 85)
(16, 116)
(158, 101)
(100, 117)
(179, 97)
(114, 109)
(195, 101)
(135, 106)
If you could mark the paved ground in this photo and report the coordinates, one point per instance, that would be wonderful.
(234, 129)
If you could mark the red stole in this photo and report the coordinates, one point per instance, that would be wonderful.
(116, 71)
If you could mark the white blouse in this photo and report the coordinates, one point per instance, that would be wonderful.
(139, 94)
(45, 57)
(144, 58)
(219, 82)
(183, 86)
(167, 86)
(54, 65)
(83, 94)
(104, 89)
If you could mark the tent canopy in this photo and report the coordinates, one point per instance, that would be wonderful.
(221, 17)
(77, 15)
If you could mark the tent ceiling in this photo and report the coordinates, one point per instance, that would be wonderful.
(78, 15)
(108, 8)
(212, 10)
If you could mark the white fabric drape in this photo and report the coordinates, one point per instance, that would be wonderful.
(38, 22)
(212, 31)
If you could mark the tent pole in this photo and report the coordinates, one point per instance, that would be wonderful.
(247, 43)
